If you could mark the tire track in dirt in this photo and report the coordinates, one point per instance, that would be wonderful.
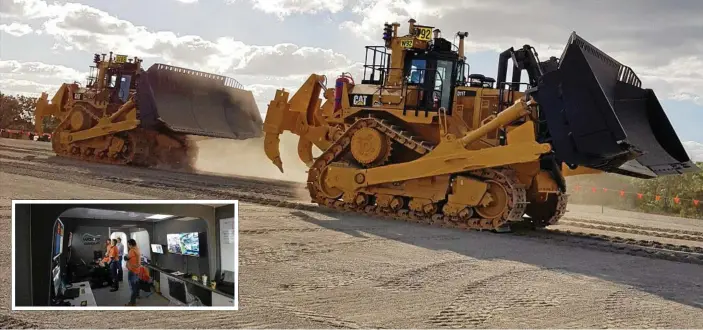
(630, 308)
(475, 304)
(689, 235)
(9, 322)
(418, 278)
(294, 251)
(27, 150)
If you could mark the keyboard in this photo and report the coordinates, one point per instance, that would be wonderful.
(72, 293)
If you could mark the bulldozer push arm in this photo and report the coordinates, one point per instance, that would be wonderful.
(301, 116)
(63, 107)
(451, 155)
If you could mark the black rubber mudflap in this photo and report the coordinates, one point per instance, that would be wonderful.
(197, 103)
(600, 117)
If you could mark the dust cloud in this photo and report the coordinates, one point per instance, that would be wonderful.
(247, 158)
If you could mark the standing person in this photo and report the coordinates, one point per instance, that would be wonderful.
(120, 255)
(114, 265)
(108, 244)
(133, 262)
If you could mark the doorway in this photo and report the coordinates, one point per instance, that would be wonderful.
(123, 237)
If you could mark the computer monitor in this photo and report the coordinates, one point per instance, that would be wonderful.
(56, 279)
(157, 248)
(58, 239)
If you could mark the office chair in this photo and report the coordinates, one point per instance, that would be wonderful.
(191, 300)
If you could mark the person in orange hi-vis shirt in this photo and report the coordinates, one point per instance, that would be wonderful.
(113, 255)
(133, 264)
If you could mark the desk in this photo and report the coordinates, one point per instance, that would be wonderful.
(86, 294)
(207, 295)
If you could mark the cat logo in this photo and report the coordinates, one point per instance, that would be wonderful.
(360, 100)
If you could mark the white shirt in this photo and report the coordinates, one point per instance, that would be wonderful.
(120, 249)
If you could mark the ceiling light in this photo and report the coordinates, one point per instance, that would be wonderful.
(159, 216)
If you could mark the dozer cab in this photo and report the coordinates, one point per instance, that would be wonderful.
(419, 138)
(126, 115)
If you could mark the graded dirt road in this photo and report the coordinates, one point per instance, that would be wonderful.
(313, 270)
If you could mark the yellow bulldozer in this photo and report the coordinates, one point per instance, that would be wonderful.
(148, 118)
(422, 139)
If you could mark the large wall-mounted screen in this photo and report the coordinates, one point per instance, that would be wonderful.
(184, 243)
(190, 244)
(174, 243)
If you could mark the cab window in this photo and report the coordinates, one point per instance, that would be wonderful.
(112, 81)
(125, 83)
(417, 71)
(443, 82)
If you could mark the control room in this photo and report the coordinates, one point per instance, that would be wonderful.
(85, 255)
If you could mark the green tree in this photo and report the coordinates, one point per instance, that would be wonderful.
(17, 112)
(641, 194)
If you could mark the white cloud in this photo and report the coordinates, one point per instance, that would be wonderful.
(12, 68)
(33, 78)
(16, 29)
(25, 87)
(262, 68)
(187, 1)
(81, 27)
(283, 8)
(695, 150)
(25, 9)
(660, 42)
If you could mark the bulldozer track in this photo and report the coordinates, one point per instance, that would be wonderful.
(139, 152)
(516, 194)
(689, 235)
(650, 249)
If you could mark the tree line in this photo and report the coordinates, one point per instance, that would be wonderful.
(17, 113)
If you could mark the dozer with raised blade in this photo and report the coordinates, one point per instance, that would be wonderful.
(126, 115)
(421, 139)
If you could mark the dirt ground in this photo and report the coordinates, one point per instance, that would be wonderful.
(305, 269)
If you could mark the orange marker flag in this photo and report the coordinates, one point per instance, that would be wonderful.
(605, 189)
(593, 189)
(695, 202)
(677, 199)
(639, 195)
(622, 193)
(657, 198)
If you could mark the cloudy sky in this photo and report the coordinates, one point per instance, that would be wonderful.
(268, 44)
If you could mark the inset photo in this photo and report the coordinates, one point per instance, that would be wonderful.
(125, 255)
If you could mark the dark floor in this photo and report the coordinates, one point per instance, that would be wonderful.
(103, 296)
